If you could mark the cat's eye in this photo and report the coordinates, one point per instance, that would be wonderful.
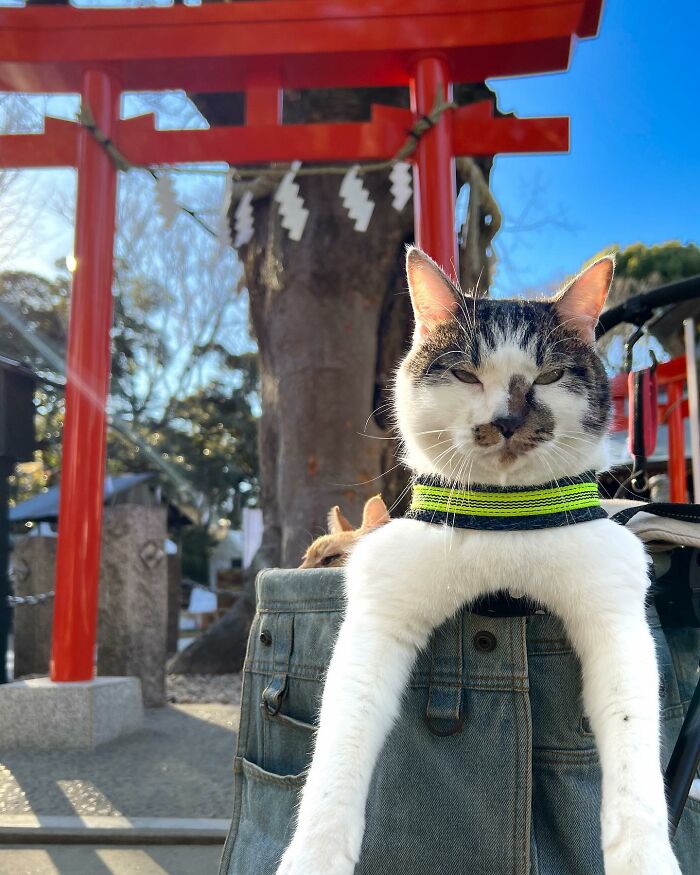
(329, 560)
(465, 376)
(549, 377)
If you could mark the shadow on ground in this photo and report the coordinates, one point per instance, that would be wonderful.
(178, 765)
(98, 860)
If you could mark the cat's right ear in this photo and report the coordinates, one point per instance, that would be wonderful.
(337, 522)
(433, 295)
(374, 514)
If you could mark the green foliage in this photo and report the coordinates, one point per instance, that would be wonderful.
(196, 544)
(639, 268)
(199, 435)
(207, 443)
(666, 261)
(34, 318)
(40, 310)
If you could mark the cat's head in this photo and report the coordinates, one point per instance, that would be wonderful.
(333, 549)
(503, 391)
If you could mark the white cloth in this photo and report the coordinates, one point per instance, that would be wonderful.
(658, 532)
(202, 601)
(252, 533)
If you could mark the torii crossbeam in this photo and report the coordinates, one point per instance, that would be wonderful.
(261, 49)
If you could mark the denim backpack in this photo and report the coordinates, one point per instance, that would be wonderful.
(491, 767)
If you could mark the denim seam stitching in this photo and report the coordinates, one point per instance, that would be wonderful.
(517, 763)
(267, 668)
(511, 683)
(583, 757)
(527, 713)
(318, 607)
(272, 779)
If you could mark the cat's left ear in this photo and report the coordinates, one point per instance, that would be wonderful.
(337, 522)
(433, 295)
(581, 302)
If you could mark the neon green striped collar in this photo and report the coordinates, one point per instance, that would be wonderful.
(557, 503)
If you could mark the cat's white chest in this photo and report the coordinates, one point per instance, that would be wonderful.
(551, 565)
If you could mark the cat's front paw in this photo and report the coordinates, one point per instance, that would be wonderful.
(641, 857)
(314, 858)
(325, 845)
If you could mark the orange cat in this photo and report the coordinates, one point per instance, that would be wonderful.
(332, 549)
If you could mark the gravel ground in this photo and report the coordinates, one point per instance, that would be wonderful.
(178, 765)
(222, 688)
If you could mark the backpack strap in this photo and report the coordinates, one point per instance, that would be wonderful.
(444, 710)
(689, 513)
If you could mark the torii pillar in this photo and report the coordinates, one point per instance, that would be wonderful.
(87, 386)
(434, 179)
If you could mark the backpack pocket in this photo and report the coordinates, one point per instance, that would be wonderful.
(263, 819)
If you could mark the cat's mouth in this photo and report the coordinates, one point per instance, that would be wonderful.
(510, 447)
(510, 452)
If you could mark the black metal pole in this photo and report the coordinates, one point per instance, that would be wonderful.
(638, 309)
(6, 468)
(683, 765)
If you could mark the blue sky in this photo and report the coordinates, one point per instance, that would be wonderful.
(633, 172)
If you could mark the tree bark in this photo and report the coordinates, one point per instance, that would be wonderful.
(332, 318)
(316, 308)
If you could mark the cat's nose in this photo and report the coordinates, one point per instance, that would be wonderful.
(508, 425)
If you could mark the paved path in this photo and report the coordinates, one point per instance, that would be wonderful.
(109, 860)
(178, 765)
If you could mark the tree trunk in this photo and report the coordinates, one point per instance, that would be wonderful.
(332, 318)
(316, 307)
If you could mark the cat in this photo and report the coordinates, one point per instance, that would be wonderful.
(506, 393)
(332, 550)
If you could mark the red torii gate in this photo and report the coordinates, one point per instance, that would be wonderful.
(260, 48)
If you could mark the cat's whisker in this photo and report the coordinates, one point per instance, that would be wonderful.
(397, 436)
(437, 459)
(469, 458)
(371, 479)
(382, 407)
(439, 442)
(407, 488)
(448, 466)
(442, 355)
(578, 435)
(376, 437)
(567, 515)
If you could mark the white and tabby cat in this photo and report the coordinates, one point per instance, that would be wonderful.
(507, 393)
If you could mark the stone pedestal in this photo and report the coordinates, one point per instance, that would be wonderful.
(134, 598)
(133, 615)
(37, 713)
(33, 562)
